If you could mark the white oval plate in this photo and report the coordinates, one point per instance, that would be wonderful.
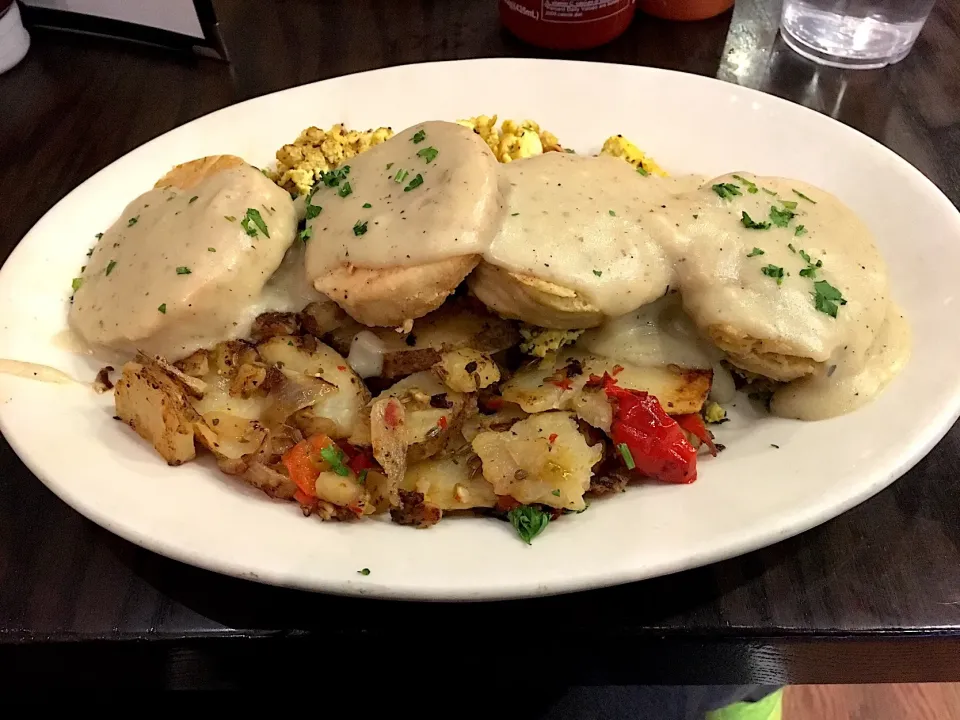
(752, 495)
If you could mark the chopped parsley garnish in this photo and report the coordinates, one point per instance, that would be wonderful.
(800, 231)
(253, 216)
(400, 176)
(132, 221)
(598, 273)
(809, 272)
(529, 521)
(334, 457)
(419, 136)
(333, 178)
(756, 251)
(626, 455)
(98, 236)
(211, 249)
(389, 165)
(640, 168)
(769, 192)
(362, 477)
(345, 190)
(804, 197)
(367, 206)
(162, 308)
(312, 210)
(415, 183)
(612, 213)
(229, 218)
(805, 256)
(792, 248)
(727, 190)
(306, 234)
(748, 222)
(781, 218)
(77, 282)
(184, 270)
(110, 266)
(359, 228)
(193, 199)
(826, 298)
(429, 154)
(772, 271)
(556, 493)
(364, 572)
(751, 186)
(789, 204)
(514, 214)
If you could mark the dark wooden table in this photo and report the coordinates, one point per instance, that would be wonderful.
(871, 596)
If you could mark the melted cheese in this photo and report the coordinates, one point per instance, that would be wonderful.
(177, 271)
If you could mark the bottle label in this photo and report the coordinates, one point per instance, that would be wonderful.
(582, 11)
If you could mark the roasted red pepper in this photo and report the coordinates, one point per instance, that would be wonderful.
(694, 425)
(658, 447)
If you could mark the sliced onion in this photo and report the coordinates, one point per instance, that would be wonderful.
(296, 393)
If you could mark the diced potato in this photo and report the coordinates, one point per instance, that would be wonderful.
(499, 421)
(343, 491)
(467, 370)
(343, 408)
(450, 483)
(543, 459)
(546, 386)
(388, 438)
(157, 407)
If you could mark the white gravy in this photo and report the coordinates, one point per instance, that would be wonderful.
(427, 194)
(179, 271)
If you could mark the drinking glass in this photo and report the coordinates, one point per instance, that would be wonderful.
(862, 34)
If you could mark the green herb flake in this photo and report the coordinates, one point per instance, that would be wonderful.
(556, 493)
(312, 211)
(362, 477)
(367, 206)
(110, 266)
(756, 251)
(419, 136)
(229, 218)
(774, 272)
(359, 228)
(809, 272)
(627, 456)
(252, 218)
(781, 218)
(184, 270)
(804, 197)
(826, 298)
(345, 190)
(97, 236)
(162, 309)
(749, 223)
(211, 249)
(514, 214)
(529, 521)
(727, 190)
(791, 247)
(415, 183)
(400, 176)
(769, 192)
(598, 273)
(805, 256)
(429, 154)
(800, 231)
(751, 186)
(611, 213)
(333, 178)
(333, 455)
(306, 234)
(789, 204)
(132, 221)
(640, 168)
(193, 199)
(76, 283)
(389, 165)
(364, 572)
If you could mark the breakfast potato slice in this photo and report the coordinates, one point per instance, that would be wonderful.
(467, 370)
(557, 383)
(459, 323)
(157, 406)
(338, 413)
(433, 413)
(543, 459)
(502, 419)
(451, 483)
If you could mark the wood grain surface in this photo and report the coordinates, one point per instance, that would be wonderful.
(927, 701)
(873, 596)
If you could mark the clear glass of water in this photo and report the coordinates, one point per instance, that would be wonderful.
(862, 34)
